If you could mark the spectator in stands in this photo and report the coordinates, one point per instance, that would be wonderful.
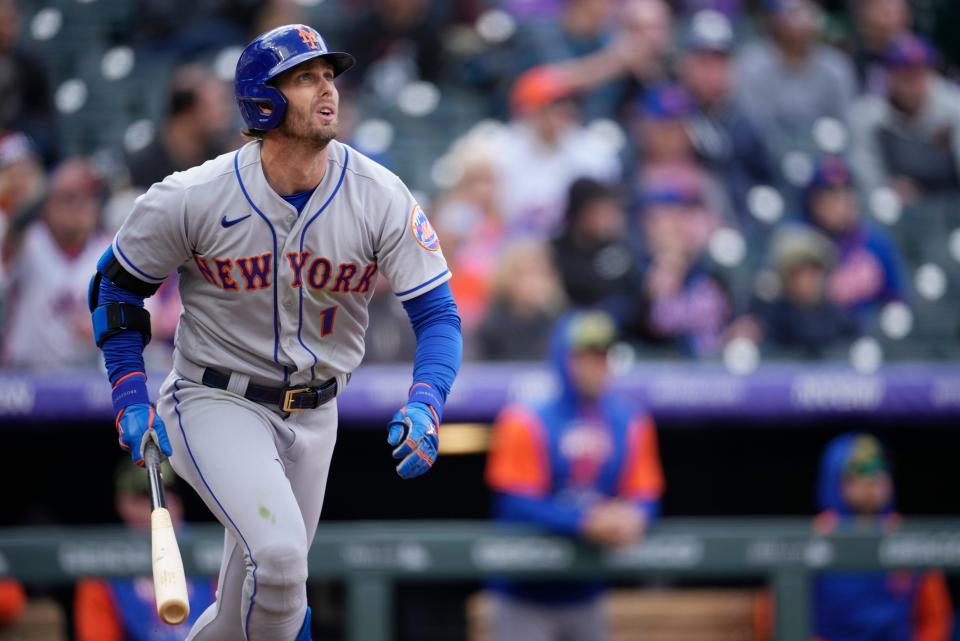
(645, 43)
(543, 151)
(21, 175)
(664, 148)
(689, 306)
(725, 140)
(597, 263)
(799, 320)
(198, 120)
(584, 463)
(26, 103)
(789, 80)
(396, 42)
(21, 186)
(856, 490)
(469, 223)
(867, 269)
(632, 58)
(49, 322)
(124, 608)
(877, 24)
(909, 139)
(526, 298)
(583, 27)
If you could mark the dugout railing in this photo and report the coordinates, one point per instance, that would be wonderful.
(370, 558)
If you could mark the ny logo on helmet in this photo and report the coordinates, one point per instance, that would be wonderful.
(309, 37)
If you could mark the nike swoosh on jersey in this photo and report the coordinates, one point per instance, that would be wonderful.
(230, 223)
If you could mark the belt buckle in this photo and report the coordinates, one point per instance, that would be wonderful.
(297, 399)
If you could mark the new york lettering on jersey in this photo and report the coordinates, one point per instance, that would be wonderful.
(290, 290)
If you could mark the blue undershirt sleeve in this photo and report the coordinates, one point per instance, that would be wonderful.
(436, 325)
(122, 352)
(546, 512)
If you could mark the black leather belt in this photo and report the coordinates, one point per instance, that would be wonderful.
(288, 398)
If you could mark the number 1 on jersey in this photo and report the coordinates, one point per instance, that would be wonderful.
(326, 320)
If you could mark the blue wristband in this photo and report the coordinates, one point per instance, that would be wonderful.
(423, 393)
(130, 390)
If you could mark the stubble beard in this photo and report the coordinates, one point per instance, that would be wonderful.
(302, 129)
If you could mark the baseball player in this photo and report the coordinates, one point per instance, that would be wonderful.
(277, 246)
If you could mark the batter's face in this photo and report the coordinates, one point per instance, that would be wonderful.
(312, 103)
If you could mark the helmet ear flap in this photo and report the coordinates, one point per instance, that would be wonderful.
(263, 107)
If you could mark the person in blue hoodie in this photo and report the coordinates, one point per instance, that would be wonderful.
(856, 490)
(585, 464)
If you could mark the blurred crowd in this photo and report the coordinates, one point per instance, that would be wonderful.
(728, 180)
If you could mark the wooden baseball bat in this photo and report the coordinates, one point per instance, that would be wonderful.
(169, 581)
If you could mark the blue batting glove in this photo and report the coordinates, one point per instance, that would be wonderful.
(414, 433)
(136, 424)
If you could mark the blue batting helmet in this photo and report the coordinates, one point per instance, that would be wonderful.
(270, 54)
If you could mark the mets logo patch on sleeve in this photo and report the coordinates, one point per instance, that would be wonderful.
(423, 230)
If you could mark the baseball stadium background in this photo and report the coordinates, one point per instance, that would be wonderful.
(713, 123)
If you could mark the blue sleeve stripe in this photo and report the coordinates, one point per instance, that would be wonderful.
(135, 268)
(422, 285)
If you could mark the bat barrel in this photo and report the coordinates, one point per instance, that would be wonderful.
(169, 580)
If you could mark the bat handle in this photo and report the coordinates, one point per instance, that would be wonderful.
(151, 459)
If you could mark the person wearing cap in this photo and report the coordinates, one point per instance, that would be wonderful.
(662, 147)
(867, 271)
(789, 80)
(909, 139)
(723, 137)
(584, 464)
(544, 149)
(48, 322)
(124, 608)
(688, 304)
(855, 491)
(800, 320)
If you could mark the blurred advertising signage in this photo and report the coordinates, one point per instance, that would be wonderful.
(814, 553)
(522, 553)
(837, 392)
(407, 556)
(940, 549)
(660, 552)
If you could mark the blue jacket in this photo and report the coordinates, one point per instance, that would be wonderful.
(551, 462)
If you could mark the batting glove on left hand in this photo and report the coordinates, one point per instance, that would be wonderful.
(138, 423)
(414, 432)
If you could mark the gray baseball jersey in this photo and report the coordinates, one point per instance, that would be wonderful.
(280, 298)
(266, 292)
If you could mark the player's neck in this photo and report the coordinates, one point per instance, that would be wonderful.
(290, 169)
